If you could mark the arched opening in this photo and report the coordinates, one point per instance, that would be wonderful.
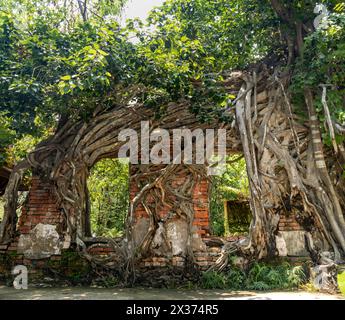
(108, 188)
(230, 213)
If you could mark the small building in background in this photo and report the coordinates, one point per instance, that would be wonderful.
(237, 216)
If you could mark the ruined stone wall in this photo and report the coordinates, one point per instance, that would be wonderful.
(289, 223)
(291, 236)
(176, 228)
(40, 221)
(200, 201)
(39, 243)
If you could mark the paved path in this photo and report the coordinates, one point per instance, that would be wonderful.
(7, 293)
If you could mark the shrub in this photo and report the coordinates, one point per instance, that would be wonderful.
(341, 282)
(213, 280)
(259, 277)
(258, 286)
(296, 276)
(283, 276)
(235, 279)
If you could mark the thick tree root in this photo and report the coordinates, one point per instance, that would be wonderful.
(288, 172)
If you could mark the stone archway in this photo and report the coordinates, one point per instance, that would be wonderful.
(283, 165)
(61, 166)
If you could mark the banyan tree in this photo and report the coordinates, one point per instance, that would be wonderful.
(290, 168)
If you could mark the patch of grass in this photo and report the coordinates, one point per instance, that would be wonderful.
(213, 280)
(236, 279)
(109, 281)
(259, 277)
(341, 282)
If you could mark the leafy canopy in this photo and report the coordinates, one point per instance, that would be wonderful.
(53, 66)
(57, 63)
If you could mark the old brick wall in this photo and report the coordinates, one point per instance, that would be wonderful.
(200, 201)
(289, 223)
(201, 208)
(40, 207)
(204, 256)
(291, 237)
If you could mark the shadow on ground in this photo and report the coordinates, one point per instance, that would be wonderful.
(82, 293)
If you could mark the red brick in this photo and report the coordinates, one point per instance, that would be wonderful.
(201, 215)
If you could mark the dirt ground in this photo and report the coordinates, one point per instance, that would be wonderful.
(85, 293)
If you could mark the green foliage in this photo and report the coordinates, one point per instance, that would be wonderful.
(231, 185)
(213, 280)
(341, 282)
(109, 194)
(109, 281)
(6, 135)
(192, 44)
(14, 147)
(239, 218)
(74, 267)
(194, 34)
(284, 276)
(46, 72)
(53, 64)
(57, 62)
(66, 13)
(235, 279)
(260, 277)
(323, 62)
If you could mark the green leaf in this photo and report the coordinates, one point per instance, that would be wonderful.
(66, 78)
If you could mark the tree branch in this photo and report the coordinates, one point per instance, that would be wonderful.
(282, 12)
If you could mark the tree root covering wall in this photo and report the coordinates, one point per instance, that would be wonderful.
(289, 175)
(40, 246)
(70, 267)
(178, 217)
